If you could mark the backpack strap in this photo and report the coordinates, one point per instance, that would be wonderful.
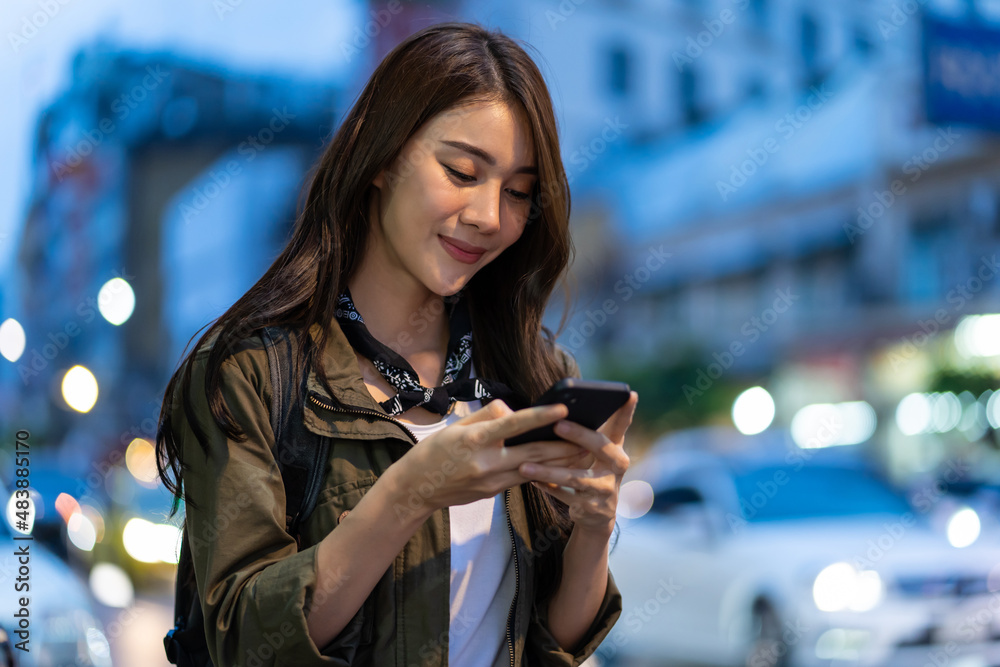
(301, 464)
(300, 460)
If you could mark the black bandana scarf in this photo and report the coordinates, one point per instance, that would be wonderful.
(457, 385)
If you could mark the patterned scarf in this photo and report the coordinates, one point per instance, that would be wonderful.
(457, 385)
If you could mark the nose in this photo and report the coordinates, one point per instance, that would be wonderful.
(482, 209)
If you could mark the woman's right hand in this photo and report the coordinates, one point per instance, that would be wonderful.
(467, 460)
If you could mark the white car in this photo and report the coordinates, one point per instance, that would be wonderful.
(796, 557)
(59, 623)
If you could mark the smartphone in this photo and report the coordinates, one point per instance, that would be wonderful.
(590, 403)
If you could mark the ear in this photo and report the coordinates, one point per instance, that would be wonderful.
(379, 180)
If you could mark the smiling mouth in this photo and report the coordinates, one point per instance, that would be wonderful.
(467, 255)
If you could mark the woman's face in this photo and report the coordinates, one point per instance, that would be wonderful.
(457, 196)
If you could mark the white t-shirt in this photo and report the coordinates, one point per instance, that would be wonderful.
(482, 569)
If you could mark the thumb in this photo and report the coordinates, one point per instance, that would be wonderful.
(618, 423)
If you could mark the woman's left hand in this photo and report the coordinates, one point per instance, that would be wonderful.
(591, 492)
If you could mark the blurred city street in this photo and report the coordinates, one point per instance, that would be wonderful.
(786, 226)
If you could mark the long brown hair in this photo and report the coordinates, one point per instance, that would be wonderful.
(441, 67)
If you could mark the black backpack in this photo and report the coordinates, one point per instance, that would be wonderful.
(299, 460)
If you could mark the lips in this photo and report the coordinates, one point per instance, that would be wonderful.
(460, 250)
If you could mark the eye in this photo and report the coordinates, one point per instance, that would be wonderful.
(458, 174)
(520, 196)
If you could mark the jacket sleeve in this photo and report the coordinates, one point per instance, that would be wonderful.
(255, 585)
(545, 651)
(541, 646)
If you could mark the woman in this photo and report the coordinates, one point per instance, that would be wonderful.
(438, 216)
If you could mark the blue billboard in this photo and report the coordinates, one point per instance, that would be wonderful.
(961, 73)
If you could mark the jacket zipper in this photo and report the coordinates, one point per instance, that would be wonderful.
(510, 614)
(369, 617)
(363, 411)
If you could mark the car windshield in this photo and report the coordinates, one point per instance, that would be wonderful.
(782, 492)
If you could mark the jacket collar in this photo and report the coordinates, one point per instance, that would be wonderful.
(350, 399)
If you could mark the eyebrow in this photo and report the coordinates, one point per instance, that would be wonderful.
(486, 157)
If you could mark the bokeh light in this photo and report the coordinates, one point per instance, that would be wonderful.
(111, 585)
(81, 532)
(149, 542)
(12, 339)
(753, 411)
(913, 414)
(635, 497)
(831, 424)
(79, 389)
(963, 527)
(116, 301)
(140, 459)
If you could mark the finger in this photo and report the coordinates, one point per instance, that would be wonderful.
(544, 450)
(618, 423)
(519, 422)
(493, 410)
(576, 460)
(508, 479)
(585, 460)
(580, 480)
(596, 442)
(563, 493)
(556, 452)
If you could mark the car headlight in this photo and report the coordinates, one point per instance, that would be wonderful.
(842, 586)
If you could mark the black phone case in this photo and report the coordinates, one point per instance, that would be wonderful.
(590, 403)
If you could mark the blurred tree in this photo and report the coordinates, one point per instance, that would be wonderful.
(958, 380)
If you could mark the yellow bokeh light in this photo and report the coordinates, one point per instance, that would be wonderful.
(140, 459)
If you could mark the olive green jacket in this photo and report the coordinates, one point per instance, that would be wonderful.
(256, 582)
